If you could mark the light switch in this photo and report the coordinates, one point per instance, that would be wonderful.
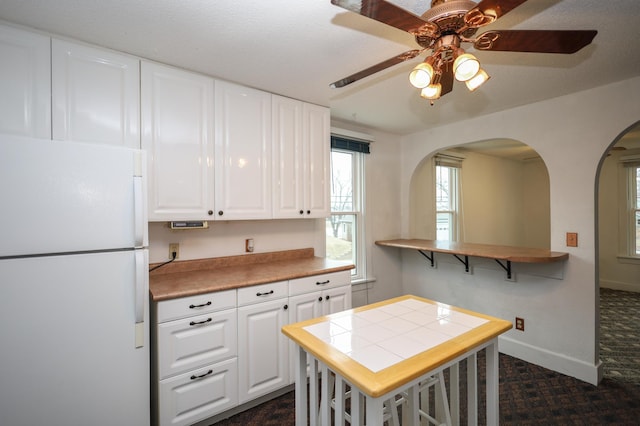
(572, 239)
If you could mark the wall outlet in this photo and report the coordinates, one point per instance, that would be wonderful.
(520, 324)
(174, 248)
(572, 239)
(248, 245)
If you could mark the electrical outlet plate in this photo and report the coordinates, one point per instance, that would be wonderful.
(175, 247)
(572, 239)
(520, 324)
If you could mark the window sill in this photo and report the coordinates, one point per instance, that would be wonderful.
(629, 259)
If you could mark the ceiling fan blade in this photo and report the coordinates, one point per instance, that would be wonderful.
(376, 68)
(537, 41)
(487, 11)
(384, 12)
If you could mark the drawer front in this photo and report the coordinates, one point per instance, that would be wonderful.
(193, 342)
(319, 282)
(199, 394)
(195, 305)
(262, 293)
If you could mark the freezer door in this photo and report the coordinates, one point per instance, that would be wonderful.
(68, 332)
(61, 197)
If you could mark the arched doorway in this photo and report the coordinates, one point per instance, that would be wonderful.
(504, 196)
(617, 257)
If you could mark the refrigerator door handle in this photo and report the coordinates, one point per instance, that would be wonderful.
(139, 225)
(140, 286)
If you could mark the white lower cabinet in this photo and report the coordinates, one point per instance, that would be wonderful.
(196, 364)
(215, 351)
(262, 348)
(315, 296)
(190, 397)
(191, 342)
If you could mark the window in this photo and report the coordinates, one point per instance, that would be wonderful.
(345, 226)
(447, 198)
(632, 169)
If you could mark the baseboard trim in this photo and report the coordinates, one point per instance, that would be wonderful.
(618, 285)
(553, 361)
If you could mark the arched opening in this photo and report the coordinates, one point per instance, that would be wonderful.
(503, 195)
(618, 256)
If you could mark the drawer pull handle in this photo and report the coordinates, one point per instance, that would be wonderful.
(200, 322)
(194, 377)
(264, 294)
(200, 306)
(323, 282)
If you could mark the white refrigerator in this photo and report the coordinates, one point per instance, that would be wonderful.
(74, 334)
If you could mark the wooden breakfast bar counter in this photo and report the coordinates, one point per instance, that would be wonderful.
(500, 254)
(390, 348)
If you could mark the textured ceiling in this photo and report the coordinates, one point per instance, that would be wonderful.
(296, 48)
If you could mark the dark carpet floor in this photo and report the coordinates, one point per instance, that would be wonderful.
(532, 395)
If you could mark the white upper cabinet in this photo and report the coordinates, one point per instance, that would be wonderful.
(316, 159)
(25, 83)
(301, 149)
(95, 95)
(177, 117)
(288, 182)
(243, 152)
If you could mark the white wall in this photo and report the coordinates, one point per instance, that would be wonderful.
(570, 133)
(535, 208)
(382, 215)
(615, 272)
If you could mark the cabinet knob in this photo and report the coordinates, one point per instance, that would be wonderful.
(328, 297)
(308, 211)
(285, 307)
(210, 212)
(301, 211)
(320, 299)
(220, 212)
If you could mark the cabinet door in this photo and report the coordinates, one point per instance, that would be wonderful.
(317, 146)
(288, 183)
(243, 153)
(25, 83)
(188, 398)
(336, 300)
(301, 308)
(95, 95)
(262, 349)
(177, 111)
(192, 342)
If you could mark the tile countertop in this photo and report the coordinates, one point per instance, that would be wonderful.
(191, 277)
(382, 346)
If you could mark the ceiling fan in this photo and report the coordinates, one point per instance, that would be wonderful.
(444, 27)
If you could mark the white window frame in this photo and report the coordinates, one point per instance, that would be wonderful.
(629, 209)
(454, 167)
(358, 203)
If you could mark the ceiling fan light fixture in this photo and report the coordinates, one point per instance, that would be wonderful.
(465, 66)
(432, 91)
(422, 74)
(477, 80)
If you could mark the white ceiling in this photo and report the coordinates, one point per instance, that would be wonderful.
(297, 47)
